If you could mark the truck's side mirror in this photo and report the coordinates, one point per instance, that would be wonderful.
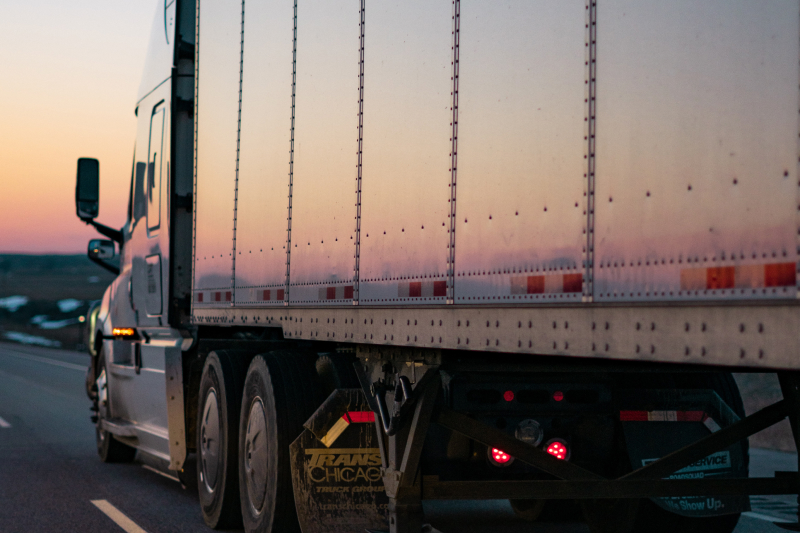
(87, 189)
(101, 249)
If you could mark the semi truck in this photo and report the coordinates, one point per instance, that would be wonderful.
(379, 253)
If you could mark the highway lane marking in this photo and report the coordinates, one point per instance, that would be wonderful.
(45, 360)
(116, 515)
(4, 424)
(767, 518)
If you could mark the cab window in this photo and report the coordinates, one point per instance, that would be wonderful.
(154, 167)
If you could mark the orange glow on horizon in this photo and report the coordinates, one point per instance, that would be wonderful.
(68, 92)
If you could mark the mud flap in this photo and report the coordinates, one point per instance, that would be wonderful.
(336, 468)
(652, 434)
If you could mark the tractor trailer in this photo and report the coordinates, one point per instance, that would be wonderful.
(378, 253)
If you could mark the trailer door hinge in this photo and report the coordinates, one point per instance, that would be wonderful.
(185, 50)
(183, 201)
(184, 106)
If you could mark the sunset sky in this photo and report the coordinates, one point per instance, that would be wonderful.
(70, 72)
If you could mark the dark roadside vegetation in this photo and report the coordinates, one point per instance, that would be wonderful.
(43, 297)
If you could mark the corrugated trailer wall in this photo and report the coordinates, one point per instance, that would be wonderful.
(521, 211)
(696, 186)
(263, 163)
(509, 152)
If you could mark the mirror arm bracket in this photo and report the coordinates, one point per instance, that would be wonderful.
(113, 234)
(111, 268)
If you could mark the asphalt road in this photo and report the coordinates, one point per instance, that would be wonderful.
(50, 473)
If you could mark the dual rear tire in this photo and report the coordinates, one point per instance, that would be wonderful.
(220, 396)
(248, 416)
(630, 516)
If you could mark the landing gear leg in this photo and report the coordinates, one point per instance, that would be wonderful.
(790, 386)
(403, 431)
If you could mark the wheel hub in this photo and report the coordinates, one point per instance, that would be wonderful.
(255, 455)
(209, 441)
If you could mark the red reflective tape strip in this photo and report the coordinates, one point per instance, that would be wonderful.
(199, 296)
(415, 289)
(720, 277)
(280, 295)
(633, 416)
(336, 293)
(780, 275)
(422, 289)
(690, 416)
(739, 277)
(267, 294)
(573, 282)
(217, 296)
(359, 417)
(535, 284)
(439, 289)
(228, 296)
(546, 284)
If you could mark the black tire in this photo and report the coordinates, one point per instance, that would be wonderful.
(219, 400)
(281, 392)
(109, 448)
(724, 385)
(653, 518)
(623, 516)
(336, 371)
(528, 510)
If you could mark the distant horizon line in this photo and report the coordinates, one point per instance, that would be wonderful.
(41, 253)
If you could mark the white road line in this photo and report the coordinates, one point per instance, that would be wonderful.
(45, 360)
(4, 424)
(766, 518)
(116, 515)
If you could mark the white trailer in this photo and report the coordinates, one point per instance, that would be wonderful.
(544, 231)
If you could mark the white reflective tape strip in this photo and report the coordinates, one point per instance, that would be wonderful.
(519, 285)
(759, 516)
(711, 424)
(749, 276)
(554, 284)
(4, 424)
(45, 360)
(116, 515)
(662, 416)
(427, 289)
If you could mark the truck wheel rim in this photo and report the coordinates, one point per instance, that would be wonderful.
(209, 441)
(255, 456)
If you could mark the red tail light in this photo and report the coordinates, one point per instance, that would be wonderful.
(499, 458)
(558, 449)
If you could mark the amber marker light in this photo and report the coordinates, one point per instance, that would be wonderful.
(123, 332)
